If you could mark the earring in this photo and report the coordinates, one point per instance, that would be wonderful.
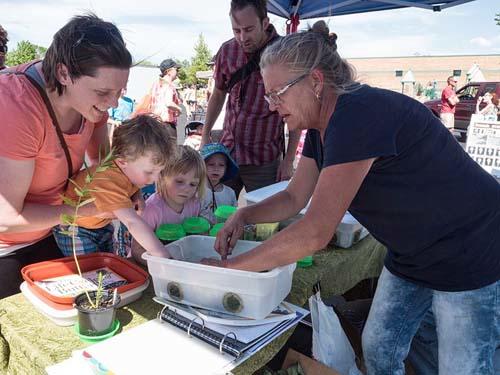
(317, 96)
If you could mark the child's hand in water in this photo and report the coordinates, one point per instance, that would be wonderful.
(213, 262)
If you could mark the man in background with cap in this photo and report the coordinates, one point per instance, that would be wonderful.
(449, 101)
(253, 134)
(165, 100)
(3, 47)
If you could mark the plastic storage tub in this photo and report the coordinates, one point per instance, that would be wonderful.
(134, 275)
(348, 232)
(242, 293)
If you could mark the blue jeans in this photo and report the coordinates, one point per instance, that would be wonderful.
(424, 349)
(467, 325)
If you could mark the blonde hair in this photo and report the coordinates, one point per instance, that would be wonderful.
(316, 48)
(141, 135)
(185, 160)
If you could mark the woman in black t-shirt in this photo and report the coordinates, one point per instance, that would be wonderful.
(395, 167)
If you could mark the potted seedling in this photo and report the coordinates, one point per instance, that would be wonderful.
(96, 308)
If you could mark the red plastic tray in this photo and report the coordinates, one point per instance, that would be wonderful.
(134, 274)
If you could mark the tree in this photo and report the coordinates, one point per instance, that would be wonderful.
(200, 60)
(24, 52)
(497, 18)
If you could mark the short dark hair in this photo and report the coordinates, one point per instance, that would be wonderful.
(83, 45)
(260, 7)
(3, 36)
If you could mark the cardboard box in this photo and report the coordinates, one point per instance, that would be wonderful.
(309, 365)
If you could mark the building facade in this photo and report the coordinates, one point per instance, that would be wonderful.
(387, 72)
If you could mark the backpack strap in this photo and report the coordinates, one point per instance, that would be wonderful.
(31, 73)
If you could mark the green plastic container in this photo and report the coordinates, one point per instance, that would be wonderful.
(222, 213)
(196, 225)
(305, 262)
(167, 233)
(215, 229)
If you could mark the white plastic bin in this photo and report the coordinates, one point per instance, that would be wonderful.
(242, 293)
(348, 232)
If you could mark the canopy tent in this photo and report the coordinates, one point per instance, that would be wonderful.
(293, 10)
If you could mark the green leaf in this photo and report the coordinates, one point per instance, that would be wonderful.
(73, 182)
(87, 201)
(69, 201)
(67, 219)
(102, 168)
(78, 192)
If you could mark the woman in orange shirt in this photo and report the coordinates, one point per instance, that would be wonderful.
(53, 113)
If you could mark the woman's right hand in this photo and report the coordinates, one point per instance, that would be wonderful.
(229, 235)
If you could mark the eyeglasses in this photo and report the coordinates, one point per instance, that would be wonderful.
(274, 97)
(3, 49)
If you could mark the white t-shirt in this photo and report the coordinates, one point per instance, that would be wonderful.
(225, 197)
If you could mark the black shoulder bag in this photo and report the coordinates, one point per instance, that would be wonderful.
(251, 66)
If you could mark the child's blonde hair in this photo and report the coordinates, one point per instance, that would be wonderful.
(141, 135)
(185, 160)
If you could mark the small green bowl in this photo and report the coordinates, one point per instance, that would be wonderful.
(93, 339)
(215, 229)
(305, 262)
(222, 213)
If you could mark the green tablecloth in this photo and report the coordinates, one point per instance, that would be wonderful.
(29, 342)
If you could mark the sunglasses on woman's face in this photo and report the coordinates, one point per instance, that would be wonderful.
(97, 36)
(3, 49)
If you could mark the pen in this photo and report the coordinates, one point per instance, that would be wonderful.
(97, 367)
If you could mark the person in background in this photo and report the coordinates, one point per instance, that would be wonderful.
(449, 100)
(430, 91)
(81, 76)
(165, 100)
(490, 109)
(120, 113)
(220, 168)
(3, 47)
(400, 174)
(252, 132)
(142, 147)
(190, 99)
(178, 193)
(193, 130)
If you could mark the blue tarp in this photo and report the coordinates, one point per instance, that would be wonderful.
(327, 8)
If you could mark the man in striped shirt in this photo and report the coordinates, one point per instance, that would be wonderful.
(253, 133)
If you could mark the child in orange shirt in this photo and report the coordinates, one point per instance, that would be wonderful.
(141, 149)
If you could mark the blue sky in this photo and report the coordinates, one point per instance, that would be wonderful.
(159, 29)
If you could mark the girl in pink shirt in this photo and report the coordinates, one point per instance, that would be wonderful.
(180, 189)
